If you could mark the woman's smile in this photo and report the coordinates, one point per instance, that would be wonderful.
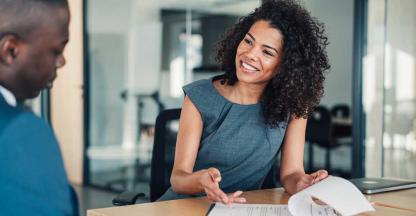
(248, 68)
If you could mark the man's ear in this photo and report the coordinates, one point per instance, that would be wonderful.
(8, 49)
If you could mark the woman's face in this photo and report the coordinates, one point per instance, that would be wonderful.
(259, 53)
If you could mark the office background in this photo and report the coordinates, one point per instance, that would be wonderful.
(128, 59)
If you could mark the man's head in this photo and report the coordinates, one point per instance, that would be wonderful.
(33, 35)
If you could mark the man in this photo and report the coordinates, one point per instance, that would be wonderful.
(33, 34)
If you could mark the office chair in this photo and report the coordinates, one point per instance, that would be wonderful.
(341, 131)
(340, 111)
(163, 153)
(318, 131)
(163, 158)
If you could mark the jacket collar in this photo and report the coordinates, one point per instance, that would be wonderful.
(7, 96)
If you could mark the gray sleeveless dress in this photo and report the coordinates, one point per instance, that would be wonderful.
(235, 140)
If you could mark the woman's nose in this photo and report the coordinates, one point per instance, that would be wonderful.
(252, 54)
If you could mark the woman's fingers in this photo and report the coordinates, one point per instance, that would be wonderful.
(214, 191)
(219, 196)
(307, 180)
(215, 174)
(235, 198)
(237, 194)
(214, 188)
(215, 196)
(218, 192)
(319, 175)
(239, 200)
(304, 182)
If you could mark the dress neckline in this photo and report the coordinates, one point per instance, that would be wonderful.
(215, 90)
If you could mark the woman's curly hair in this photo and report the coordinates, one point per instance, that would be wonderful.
(297, 86)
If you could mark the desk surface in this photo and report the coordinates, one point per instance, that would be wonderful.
(391, 203)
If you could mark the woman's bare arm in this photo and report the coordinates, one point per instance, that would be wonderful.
(292, 173)
(183, 179)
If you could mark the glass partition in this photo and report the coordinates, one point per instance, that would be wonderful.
(389, 85)
(141, 53)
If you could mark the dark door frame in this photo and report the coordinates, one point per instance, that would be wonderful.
(358, 126)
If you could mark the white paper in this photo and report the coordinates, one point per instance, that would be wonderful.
(266, 210)
(337, 192)
(342, 197)
(249, 210)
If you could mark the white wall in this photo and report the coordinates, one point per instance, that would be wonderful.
(67, 99)
(338, 16)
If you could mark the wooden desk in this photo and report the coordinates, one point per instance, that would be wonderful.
(405, 200)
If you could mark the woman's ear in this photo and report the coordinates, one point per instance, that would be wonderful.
(8, 49)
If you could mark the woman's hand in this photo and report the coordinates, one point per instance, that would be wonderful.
(307, 180)
(235, 197)
(210, 182)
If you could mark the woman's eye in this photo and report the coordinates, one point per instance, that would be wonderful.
(247, 41)
(268, 53)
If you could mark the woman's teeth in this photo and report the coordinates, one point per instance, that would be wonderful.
(249, 67)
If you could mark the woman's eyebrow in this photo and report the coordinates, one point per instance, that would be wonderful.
(270, 47)
(265, 45)
(252, 37)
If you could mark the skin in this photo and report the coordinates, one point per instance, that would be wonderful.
(28, 63)
(257, 60)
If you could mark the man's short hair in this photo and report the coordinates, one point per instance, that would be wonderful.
(18, 17)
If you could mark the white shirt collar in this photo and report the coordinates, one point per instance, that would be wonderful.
(8, 96)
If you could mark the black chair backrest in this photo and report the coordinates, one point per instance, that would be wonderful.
(318, 129)
(340, 110)
(163, 153)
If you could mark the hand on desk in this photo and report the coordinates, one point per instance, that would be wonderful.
(210, 183)
(307, 180)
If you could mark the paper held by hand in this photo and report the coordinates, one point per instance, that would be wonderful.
(341, 197)
(337, 192)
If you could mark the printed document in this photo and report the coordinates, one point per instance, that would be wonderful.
(265, 210)
(341, 198)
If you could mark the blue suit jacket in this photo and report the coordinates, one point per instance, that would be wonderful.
(32, 176)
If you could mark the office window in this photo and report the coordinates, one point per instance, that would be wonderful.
(390, 89)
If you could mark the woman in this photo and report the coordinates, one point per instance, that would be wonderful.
(233, 126)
